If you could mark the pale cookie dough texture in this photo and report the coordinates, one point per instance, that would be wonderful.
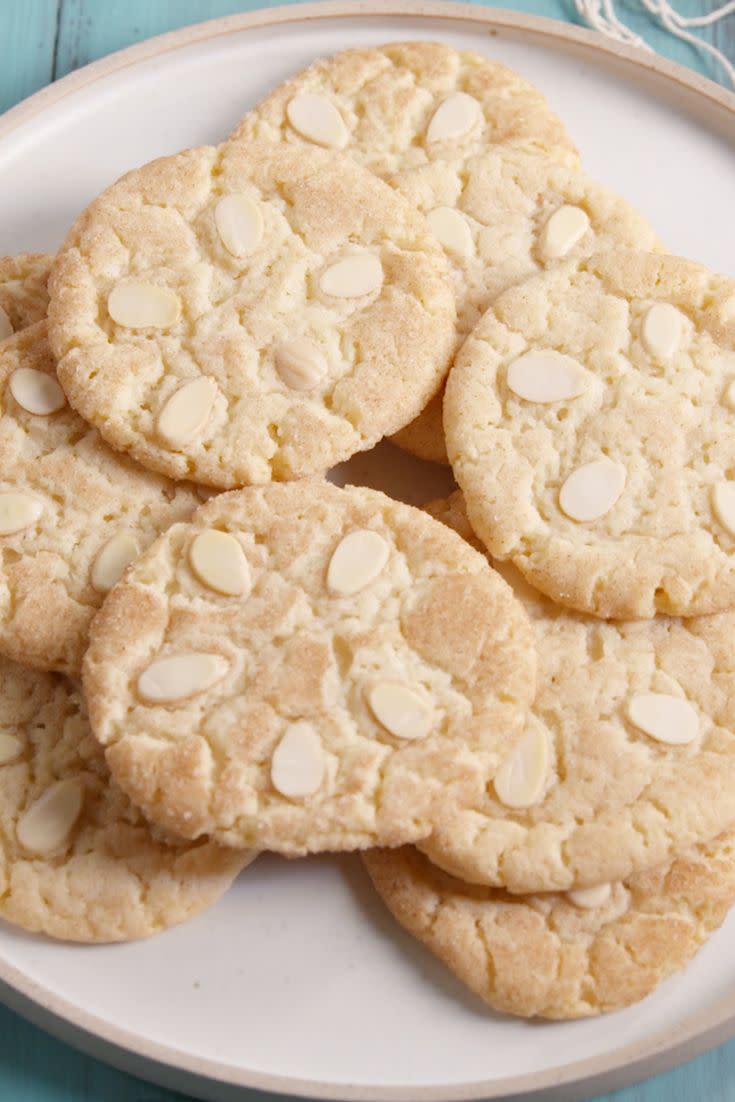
(77, 861)
(249, 313)
(502, 217)
(305, 668)
(72, 511)
(23, 291)
(589, 421)
(628, 756)
(413, 106)
(562, 956)
(407, 104)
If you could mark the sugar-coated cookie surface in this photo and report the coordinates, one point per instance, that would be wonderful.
(73, 512)
(304, 668)
(562, 956)
(250, 313)
(77, 860)
(501, 217)
(405, 104)
(628, 756)
(589, 421)
(23, 291)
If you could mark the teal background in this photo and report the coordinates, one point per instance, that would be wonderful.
(40, 41)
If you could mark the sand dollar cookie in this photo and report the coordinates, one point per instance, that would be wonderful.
(628, 755)
(77, 860)
(562, 956)
(406, 104)
(305, 668)
(589, 420)
(501, 217)
(249, 313)
(73, 512)
(23, 291)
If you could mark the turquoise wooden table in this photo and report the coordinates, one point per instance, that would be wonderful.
(41, 40)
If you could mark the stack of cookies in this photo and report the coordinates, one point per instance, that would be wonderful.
(520, 699)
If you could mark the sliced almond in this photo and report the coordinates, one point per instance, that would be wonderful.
(592, 490)
(521, 778)
(219, 562)
(18, 511)
(452, 230)
(178, 677)
(317, 119)
(111, 560)
(353, 276)
(47, 824)
(186, 413)
(300, 364)
(298, 762)
(239, 222)
(589, 899)
(669, 719)
(662, 330)
(454, 118)
(6, 326)
(546, 376)
(357, 561)
(36, 392)
(565, 229)
(401, 710)
(723, 503)
(11, 748)
(139, 305)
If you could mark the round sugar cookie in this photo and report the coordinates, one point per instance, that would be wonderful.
(73, 512)
(77, 860)
(23, 291)
(405, 104)
(246, 313)
(305, 668)
(628, 755)
(589, 421)
(501, 217)
(562, 956)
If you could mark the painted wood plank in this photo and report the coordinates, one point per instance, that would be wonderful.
(89, 30)
(27, 40)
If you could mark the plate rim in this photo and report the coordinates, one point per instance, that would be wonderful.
(621, 1066)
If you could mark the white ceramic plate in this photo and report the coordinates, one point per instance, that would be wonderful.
(299, 981)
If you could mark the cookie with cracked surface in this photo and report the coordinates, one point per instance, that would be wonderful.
(304, 668)
(562, 956)
(628, 756)
(23, 291)
(407, 104)
(73, 512)
(589, 421)
(77, 860)
(246, 313)
(502, 217)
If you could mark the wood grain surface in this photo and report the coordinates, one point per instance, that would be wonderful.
(41, 40)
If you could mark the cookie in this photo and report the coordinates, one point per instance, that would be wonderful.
(562, 956)
(406, 104)
(77, 860)
(23, 291)
(306, 668)
(72, 511)
(628, 756)
(589, 422)
(502, 217)
(250, 313)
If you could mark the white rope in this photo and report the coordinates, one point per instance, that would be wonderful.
(601, 15)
